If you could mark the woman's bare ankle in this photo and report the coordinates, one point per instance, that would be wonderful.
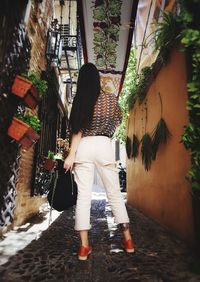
(126, 231)
(84, 238)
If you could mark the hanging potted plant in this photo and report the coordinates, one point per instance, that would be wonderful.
(24, 129)
(30, 88)
(49, 162)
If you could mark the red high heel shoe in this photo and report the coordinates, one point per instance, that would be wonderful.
(84, 252)
(128, 246)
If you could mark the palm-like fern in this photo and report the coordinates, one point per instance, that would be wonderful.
(128, 147)
(168, 31)
(135, 147)
(160, 136)
(146, 151)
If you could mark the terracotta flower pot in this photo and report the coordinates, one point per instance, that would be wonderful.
(22, 133)
(49, 164)
(25, 89)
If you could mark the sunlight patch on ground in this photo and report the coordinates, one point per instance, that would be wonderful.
(98, 193)
(21, 236)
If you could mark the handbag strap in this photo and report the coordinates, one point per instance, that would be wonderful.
(53, 193)
(72, 181)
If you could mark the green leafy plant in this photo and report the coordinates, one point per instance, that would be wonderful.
(146, 151)
(139, 89)
(120, 132)
(50, 155)
(31, 120)
(189, 16)
(160, 136)
(40, 84)
(190, 38)
(166, 35)
(160, 133)
(142, 86)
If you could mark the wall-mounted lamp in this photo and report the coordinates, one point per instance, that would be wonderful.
(54, 46)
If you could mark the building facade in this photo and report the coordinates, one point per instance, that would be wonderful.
(159, 187)
(27, 45)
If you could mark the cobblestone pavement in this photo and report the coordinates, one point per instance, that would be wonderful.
(53, 257)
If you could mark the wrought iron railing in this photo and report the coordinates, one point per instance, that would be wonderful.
(53, 123)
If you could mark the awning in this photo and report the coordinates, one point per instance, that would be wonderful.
(106, 32)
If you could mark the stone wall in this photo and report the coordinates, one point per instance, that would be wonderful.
(37, 26)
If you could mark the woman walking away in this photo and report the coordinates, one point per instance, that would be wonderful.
(93, 120)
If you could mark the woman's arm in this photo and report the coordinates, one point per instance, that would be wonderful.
(69, 161)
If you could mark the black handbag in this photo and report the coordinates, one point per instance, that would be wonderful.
(63, 194)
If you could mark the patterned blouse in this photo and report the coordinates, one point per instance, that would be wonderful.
(107, 116)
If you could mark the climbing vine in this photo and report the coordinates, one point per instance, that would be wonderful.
(190, 38)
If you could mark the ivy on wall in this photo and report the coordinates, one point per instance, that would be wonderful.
(190, 38)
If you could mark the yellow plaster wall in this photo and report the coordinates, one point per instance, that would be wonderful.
(163, 193)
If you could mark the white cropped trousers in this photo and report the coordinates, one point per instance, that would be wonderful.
(96, 152)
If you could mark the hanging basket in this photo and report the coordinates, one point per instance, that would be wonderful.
(49, 164)
(22, 133)
(25, 89)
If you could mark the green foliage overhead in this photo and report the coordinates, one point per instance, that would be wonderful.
(126, 96)
(166, 35)
(143, 83)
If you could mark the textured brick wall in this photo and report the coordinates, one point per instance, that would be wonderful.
(37, 26)
(39, 21)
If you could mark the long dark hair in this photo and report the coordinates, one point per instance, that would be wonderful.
(88, 90)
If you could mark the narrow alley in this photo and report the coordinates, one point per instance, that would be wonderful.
(159, 255)
(107, 90)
